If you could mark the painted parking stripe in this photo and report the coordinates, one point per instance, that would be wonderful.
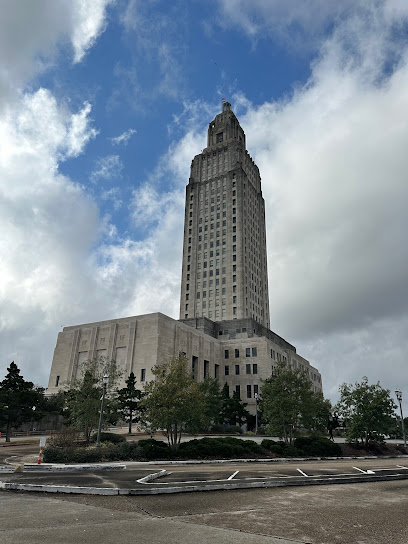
(365, 471)
(233, 475)
(303, 473)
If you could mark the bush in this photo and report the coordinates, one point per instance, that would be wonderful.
(226, 447)
(68, 437)
(318, 446)
(281, 448)
(113, 438)
(155, 449)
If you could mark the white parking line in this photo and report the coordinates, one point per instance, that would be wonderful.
(303, 473)
(365, 471)
(233, 475)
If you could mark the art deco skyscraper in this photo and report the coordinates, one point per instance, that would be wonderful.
(224, 272)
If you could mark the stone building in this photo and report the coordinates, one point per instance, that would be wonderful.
(224, 307)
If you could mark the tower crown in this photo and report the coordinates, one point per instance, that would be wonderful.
(225, 127)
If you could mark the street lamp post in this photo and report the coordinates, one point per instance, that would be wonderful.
(256, 413)
(105, 382)
(398, 393)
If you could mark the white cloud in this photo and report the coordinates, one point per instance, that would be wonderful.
(333, 164)
(108, 167)
(113, 194)
(124, 137)
(30, 33)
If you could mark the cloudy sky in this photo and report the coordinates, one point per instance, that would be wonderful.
(104, 103)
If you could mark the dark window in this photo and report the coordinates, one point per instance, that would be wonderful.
(247, 352)
(219, 137)
(238, 390)
(143, 375)
(249, 392)
(226, 370)
(255, 369)
(248, 369)
(237, 370)
(226, 352)
(236, 353)
(57, 379)
(254, 352)
(255, 389)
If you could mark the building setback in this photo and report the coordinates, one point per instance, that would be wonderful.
(224, 307)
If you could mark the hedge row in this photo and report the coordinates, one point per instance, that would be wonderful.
(204, 448)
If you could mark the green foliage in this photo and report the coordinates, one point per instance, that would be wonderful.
(317, 446)
(174, 401)
(19, 400)
(367, 411)
(110, 437)
(226, 447)
(212, 399)
(233, 410)
(83, 399)
(288, 403)
(155, 449)
(280, 448)
(128, 400)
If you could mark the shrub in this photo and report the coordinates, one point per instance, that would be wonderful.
(225, 447)
(155, 449)
(113, 438)
(317, 446)
(281, 448)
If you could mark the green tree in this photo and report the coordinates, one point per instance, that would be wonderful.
(174, 401)
(18, 400)
(367, 411)
(233, 410)
(212, 398)
(129, 404)
(83, 398)
(288, 402)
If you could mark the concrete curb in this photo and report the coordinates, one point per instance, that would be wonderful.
(230, 485)
(151, 477)
(32, 467)
(264, 460)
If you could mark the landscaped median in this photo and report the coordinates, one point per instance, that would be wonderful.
(203, 448)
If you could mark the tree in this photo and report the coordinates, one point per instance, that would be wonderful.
(212, 398)
(83, 399)
(18, 400)
(129, 404)
(233, 410)
(174, 400)
(367, 411)
(288, 402)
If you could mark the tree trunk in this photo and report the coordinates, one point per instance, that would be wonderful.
(130, 422)
(8, 430)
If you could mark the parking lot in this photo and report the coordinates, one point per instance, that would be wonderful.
(144, 478)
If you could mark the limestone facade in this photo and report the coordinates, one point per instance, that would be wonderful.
(240, 353)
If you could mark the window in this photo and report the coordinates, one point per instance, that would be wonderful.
(249, 392)
(236, 353)
(219, 137)
(255, 369)
(226, 370)
(226, 352)
(57, 379)
(238, 390)
(247, 352)
(248, 369)
(255, 390)
(143, 375)
(254, 352)
(236, 370)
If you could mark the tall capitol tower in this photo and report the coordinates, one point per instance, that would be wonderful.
(224, 329)
(224, 274)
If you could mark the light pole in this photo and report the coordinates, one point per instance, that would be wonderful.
(398, 393)
(105, 382)
(256, 413)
